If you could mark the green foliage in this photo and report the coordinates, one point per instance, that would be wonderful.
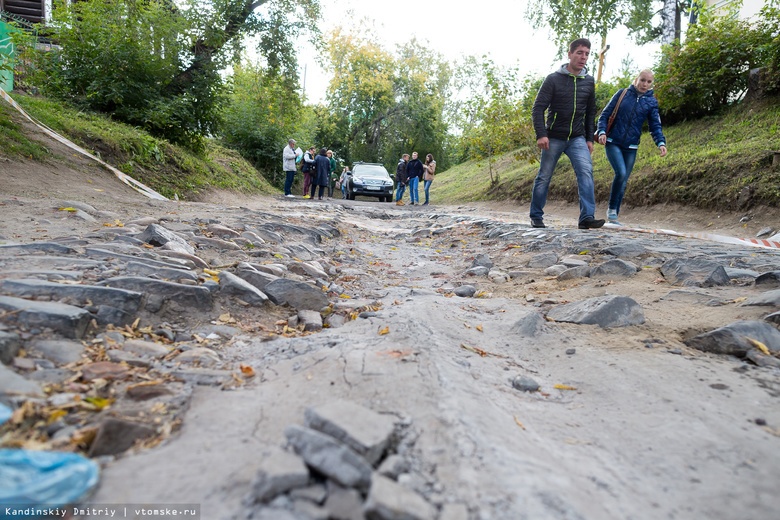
(13, 142)
(497, 121)
(720, 162)
(120, 57)
(770, 24)
(381, 104)
(710, 71)
(263, 112)
(168, 169)
(155, 64)
(568, 20)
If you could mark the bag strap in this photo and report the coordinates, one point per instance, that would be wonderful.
(614, 111)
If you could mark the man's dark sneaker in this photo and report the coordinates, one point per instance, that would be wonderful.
(591, 223)
(537, 222)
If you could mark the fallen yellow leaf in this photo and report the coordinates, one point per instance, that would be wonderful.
(479, 327)
(760, 346)
(517, 421)
(98, 402)
(72, 210)
(564, 387)
(384, 330)
(211, 272)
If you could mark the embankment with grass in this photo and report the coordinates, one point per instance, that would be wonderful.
(721, 163)
(168, 169)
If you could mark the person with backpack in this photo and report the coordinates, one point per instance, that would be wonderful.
(400, 178)
(308, 171)
(619, 130)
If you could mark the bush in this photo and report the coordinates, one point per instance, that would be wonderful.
(711, 70)
(122, 57)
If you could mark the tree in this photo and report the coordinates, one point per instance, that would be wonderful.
(153, 64)
(381, 104)
(495, 119)
(264, 109)
(572, 19)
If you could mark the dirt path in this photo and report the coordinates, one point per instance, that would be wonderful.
(627, 423)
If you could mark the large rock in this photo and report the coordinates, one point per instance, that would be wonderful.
(186, 296)
(67, 320)
(298, 295)
(127, 301)
(696, 272)
(604, 311)
(615, 268)
(117, 435)
(330, 457)
(157, 235)
(232, 285)
(362, 429)
(388, 500)
(768, 299)
(734, 339)
(280, 471)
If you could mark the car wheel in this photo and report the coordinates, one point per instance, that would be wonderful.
(350, 194)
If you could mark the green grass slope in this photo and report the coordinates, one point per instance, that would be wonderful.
(168, 169)
(722, 162)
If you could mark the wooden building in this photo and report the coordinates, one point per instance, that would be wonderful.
(33, 11)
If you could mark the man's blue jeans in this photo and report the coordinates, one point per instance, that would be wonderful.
(288, 182)
(622, 161)
(577, 151)
(414, 182)
(399, 193)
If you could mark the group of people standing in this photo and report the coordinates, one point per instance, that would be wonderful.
(564, 119)
(568, 97)
(318, 170)
(410, 173)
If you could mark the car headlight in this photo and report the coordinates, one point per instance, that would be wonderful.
(387, 183)
(357, 180)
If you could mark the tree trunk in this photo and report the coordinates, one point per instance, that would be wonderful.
(203, 53)
(669, 17)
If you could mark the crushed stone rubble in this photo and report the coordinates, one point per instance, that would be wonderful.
(106, 331)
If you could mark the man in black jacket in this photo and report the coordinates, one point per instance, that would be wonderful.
(400, 178)
(414, 172)
(568, 95)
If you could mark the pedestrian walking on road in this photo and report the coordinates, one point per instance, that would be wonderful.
(568, 96)
(619, 129)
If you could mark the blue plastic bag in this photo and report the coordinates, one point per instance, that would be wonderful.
(33, 480)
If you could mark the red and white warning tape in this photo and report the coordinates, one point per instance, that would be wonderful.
(753, 242)
(139, 187)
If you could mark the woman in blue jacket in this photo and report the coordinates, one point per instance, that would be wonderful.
(637, 106)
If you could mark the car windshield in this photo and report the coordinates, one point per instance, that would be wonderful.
(370, 170)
